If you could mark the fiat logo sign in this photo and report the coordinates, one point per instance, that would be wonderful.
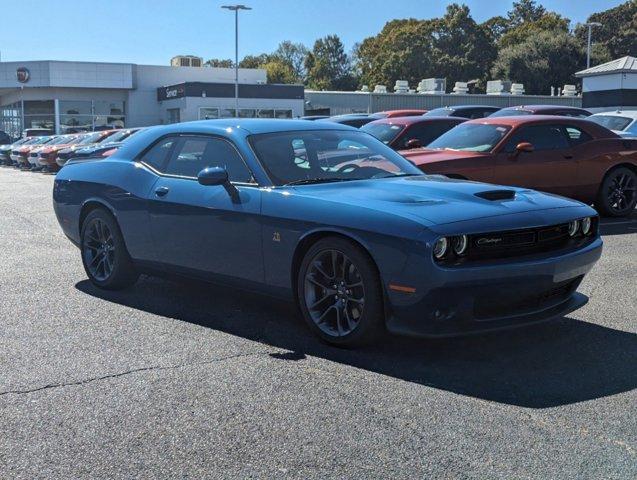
(22, 75)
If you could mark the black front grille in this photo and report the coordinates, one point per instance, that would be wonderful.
(496, 304)
(498, 244)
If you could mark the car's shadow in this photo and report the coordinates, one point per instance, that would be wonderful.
(619, 226)
(555, 363)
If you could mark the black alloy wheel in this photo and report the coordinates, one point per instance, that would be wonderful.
(104, 255)
(339, 293)
(618, 193)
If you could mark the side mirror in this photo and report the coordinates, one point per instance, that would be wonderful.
(525, 147)
(213, 176)
(413, 143)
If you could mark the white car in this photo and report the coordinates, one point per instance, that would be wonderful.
(622, 122)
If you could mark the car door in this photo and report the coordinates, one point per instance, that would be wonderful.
(550, 167)
(200, 229)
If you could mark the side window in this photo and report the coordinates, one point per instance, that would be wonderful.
(542, 137)
(577, 136)
(193, 154)
(158, 154)
(632, 128)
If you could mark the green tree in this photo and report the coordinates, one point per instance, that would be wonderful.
(617, 36)
(328, 66)
(279, 71)
(293, 54)
(541, 61)
(548, 22)
(525, 11)
(220, 63)
(254, 61)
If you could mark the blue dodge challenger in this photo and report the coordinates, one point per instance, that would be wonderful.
(331, 217)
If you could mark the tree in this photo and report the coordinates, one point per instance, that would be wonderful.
(543, 60)
(548, 22)
(219, 63)
(279, 71)
(525, 11)
(496, 27)
(618, 34)
(293, 54)
(328, 66)
(453, 46)
(254, 61)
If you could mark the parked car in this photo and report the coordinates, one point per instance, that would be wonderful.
(314, 117)
(105, 145)
(34, 153)
(542, 110)
(622, 122)
(20, 156)
(567, 156)
(37, 132)
(45, 155)
(361, 249)
(87, 140)
(352, 119)
(398, 113)
(464, 111)
(405, 133)
(5, 151)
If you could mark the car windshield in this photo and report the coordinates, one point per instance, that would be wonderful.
(439, 112)
(474, 137)
(116, 137)
(612, 122)
(511, 112)
(319, 156)
(92, 138)
(384, 132)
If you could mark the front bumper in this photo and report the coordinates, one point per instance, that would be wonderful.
(505, 294)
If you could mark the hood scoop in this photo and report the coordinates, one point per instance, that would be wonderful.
(494, 195)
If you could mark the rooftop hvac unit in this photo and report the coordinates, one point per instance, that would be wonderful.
(432, 85)
(569, 91)
(498, 87)
(517, 89)
(461, 88)
(365, 89)
(380, 89)
(402, 86)
(186, 61)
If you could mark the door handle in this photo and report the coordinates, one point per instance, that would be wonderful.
(162, 191)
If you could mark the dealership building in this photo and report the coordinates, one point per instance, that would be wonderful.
(67, 96)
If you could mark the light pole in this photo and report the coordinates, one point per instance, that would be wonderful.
(235, 9)
(590, 26)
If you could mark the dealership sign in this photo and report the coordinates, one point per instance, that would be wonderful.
(22, 74)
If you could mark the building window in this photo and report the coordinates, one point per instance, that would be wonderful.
(287, 113)
(173, 115)
(83, 116)
(247, 113)
(206, 113)
(265, 113)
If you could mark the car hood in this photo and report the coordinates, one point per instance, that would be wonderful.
(434, 199)
(424, 156)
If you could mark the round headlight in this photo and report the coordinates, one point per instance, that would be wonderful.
(573, 227)
(440, 247)
(460, 244)
(586, 225)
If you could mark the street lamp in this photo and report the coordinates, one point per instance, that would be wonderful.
(590, 26)
(235, 9)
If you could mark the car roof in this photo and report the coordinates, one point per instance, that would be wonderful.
(412, 120)
(618, 113)
(458, 107)
(516, 121)
(539, 108)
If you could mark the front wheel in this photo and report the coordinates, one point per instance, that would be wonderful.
(104, 255)
(617, 195)
(339, 293)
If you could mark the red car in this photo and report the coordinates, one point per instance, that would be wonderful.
(542, 110)
(399, 113)
(404, 133)
(567, 156)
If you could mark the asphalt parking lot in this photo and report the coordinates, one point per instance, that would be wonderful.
(188, 380)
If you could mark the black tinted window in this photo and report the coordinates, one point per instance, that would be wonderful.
(425, 132)
(542, 137)
(158, 154)
(193, 154)
(577, 136)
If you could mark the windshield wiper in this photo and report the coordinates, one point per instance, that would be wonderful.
(309, 181)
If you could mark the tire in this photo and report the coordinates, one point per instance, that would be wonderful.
(351, 314)
(617, 194)
(104, 255)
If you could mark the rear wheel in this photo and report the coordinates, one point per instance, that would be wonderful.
(617, 195)
(339, 293)
(104, 255)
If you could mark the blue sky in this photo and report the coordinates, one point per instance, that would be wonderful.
(152, 31)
